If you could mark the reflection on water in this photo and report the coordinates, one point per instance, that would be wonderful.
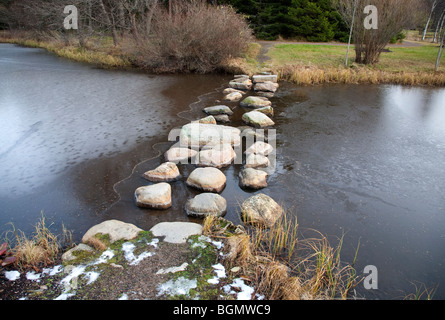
(363, 161)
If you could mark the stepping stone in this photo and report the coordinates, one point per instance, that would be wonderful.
(255, 102)
(217, 156)
(223, 118)
(261, 209)
(256, 161)
(241, 83)
(231, 90)
(207, 179)
(268, 111)
(176, 232)
(253, 179)
(199, 135)
(234, 96)
(257, 119)
(216, 110)
(205, 204)
(115, 229)
(206, 120)
(267, 86)
(166, 172)
(260, 147)
(157, 196)
(265, 78)
(265, 94)
(179, 155)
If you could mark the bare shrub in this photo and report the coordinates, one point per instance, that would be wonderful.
(193, 37)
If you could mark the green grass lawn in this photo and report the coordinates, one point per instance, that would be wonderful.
(407, 59)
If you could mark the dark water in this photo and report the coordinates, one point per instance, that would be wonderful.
(363, 161)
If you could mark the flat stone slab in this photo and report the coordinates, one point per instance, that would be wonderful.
(207, 120)
(260, 147)
(176, 232)
(257, 119)
(117, 230)
(177, 155)
(207, 179)
(234, 96)
(156, 196)
(218, 156)
(265, 78)
(199, 135)
(205, 204)
(255, 102)
(267, 86)
(216, 110)
(241, 83)
(166, 172)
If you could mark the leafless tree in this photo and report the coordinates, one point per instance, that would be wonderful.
(393, 17)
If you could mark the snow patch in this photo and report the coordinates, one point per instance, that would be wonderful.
(128, 249)
(12, 275)
(176, 287)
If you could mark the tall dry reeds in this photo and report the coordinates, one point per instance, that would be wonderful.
(42, 249)
(283, 267)
(303, 75)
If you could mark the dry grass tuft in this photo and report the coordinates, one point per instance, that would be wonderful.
(283, 267)
(42, 249)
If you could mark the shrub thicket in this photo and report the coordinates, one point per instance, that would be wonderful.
(193, 37)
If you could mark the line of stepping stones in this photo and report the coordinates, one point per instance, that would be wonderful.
(215, 143)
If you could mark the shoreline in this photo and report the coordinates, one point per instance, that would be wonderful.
(257, 59)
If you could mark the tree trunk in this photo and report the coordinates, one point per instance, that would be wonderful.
(439, 54)
(429, 19)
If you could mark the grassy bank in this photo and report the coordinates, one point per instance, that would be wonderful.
(99, 52)
(315, 64)
(302, 64)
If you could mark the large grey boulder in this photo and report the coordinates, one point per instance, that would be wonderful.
(216, 110)
(257, 119)
(217, 156)
(252, 178)
(157, 196)
(207, 179)
(198, 134)
(176, 232)
(205, 204)
(166, 172)
(115, 229)
(255, 102)
(261, 209)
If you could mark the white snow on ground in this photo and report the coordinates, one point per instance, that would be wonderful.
(182, 267)
(12, 275)
(220, 273)
(245, 293)
(128, 249)
(176, 287)
(33, 276)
